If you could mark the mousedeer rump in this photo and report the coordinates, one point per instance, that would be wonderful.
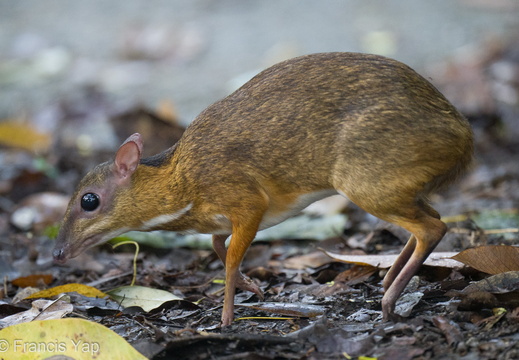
(364, 126)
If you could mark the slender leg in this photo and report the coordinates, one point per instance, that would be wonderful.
(219, 246)
(400, 262)
(242, 236)
(428, 231)
(243, 282)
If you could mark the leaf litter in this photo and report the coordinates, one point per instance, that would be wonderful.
(319, 304)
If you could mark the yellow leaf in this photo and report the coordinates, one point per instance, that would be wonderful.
(19, 135)
(79, 288)
(76, 338)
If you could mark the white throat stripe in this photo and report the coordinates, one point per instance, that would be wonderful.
(166, 218)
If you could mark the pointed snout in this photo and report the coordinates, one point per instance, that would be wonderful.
(62, 248)
(59, 255)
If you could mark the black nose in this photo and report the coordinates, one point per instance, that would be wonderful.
(59, 255)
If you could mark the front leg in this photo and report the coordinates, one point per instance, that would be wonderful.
(243, 282)
(243, 232)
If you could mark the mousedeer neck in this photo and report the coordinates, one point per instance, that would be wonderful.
(155, 196)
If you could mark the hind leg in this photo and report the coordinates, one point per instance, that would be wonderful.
(427, 232)
(400, 262)
(408, 250)
(406, 207)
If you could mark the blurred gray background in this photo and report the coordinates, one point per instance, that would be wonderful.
(194, 52)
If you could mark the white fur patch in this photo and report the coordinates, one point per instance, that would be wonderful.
(164, 219)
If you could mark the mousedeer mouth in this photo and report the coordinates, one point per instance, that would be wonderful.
(71, 249)
(67, 251)
(64, 253)
(59, 255)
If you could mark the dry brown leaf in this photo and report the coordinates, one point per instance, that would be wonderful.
(355, 275)
(40, 310)
(450, 330)
(32, 280)
(438, 259)
(491, 259)
(312, 260)
(496, 284)
(489, 322)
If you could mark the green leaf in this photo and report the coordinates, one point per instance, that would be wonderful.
(144, 297)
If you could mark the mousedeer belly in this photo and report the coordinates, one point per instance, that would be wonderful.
(287, 206)
(280, 209)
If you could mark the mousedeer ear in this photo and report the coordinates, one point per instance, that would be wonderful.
(128, 157)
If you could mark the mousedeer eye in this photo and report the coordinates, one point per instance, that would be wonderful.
(90, 202)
